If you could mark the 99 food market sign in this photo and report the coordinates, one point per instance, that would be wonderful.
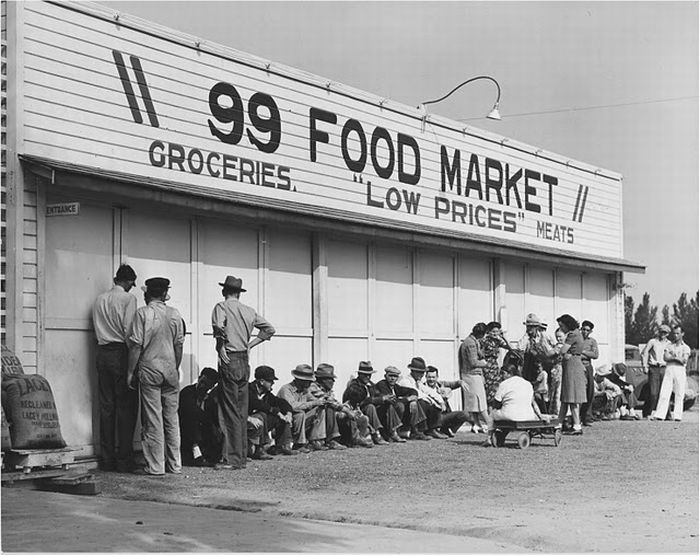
(120, 97)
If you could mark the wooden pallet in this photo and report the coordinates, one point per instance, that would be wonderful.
(29, 461)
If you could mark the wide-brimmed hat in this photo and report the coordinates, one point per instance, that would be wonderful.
(620, 369)
(417, 364)
(603, 370)
(391, 370)
(533, 320)
(125, 272)
(365, 367)
(233, 283)
(303, 372)
(325, 370)
(263, 372)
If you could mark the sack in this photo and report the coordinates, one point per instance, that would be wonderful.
(11, 364)
(6, 441)
(30, 408)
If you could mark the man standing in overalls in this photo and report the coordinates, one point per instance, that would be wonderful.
(233, 324)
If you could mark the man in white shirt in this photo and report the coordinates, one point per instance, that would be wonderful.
(430, 400)
(676, 356)
(653, 365)
(112, 315)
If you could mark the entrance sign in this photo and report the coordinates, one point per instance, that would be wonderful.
(63, 209)
(106, 94)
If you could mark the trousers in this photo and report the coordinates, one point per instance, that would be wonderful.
(309, 425)
(233, 408)
(587, 407)
(160, 429)
(260, 425)
(118, 405)
(654, 388)
(674, 379)
(452, 420)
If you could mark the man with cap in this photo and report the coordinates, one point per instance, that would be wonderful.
(268, 413)
(308, 415)
(404, 400)
(449, 421)
(538, 348)
(233, 324)
(340, 417)
(362, 393)
(198, 413)
(618, 376)
(590, 353)
(112, 315)
(155, 353)
(654, 366)
(429, 401)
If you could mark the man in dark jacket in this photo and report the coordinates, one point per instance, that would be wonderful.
(268, 413)
(629, 400)
(405, 401)
(200, 435)
(362, 393)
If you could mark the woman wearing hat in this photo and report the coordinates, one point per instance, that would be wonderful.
(573, 387)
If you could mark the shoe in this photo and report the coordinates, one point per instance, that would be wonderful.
(302, 449)
(334, 445)
(448, 433)
(436, 434)
(487, 443)
(396, 438)
(627, 418)
(318, 446)
(260, 454)
(143, 472)
(573, 432)
(589, 424)
(652, 418)
(221, 466)
(363, 443)
(636, 417)
(677, 420)
(285, 451)
(418, 435)
(378, 440)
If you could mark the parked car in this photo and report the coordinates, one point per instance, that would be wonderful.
(637, 377)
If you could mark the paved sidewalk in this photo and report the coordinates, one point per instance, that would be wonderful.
(36, 521)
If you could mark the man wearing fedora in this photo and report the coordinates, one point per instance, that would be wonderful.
(233, 324)
(538, 348)
(341, 420)
(308, 414)
(429, 401)
(362, 393)
(198, 413)
(403, 400)
(267, 414)
(155, 353)
(112, 315)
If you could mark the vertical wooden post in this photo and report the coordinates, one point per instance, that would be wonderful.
(320, 298)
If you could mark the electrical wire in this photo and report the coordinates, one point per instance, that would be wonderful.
(583, 108)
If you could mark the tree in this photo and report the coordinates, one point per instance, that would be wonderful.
(629, 315)
(643, 325)
(685, 313)
(666, 315)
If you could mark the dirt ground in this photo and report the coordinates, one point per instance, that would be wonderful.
(624, 486)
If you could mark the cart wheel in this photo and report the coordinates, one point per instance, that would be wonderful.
(523, 440)
(557, 437)
(500, 438)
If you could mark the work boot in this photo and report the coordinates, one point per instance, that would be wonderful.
(396, 438)
(302, 448)
(364, 443)
(378, 440)
(260, 454)
(418, 435)
(334, 445)
(435, 434)
(318, 446)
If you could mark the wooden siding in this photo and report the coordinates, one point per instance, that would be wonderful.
(30, 282)
(76, 111)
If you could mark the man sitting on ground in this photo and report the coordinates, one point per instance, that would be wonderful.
(404, 401)
(449, 421)
(268, 413)
(335, 411)
(200, 435)
(629, 400)
(607, 396)
(361, 393)
(429, 401)
(308, 417)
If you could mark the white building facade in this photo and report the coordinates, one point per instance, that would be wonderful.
(362, 229)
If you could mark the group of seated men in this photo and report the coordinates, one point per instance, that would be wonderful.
(305, 415)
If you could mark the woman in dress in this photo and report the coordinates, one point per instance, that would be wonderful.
(573, 380)
(471, 365)
(491, 344)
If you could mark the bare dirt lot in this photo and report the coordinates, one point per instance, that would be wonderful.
(624, 486)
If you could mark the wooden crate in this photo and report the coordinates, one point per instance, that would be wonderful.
(29, 460)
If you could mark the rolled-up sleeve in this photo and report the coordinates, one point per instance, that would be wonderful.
(218, 321)
(136, 333)
(265, 329)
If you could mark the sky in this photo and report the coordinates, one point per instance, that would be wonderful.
(611, 84)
